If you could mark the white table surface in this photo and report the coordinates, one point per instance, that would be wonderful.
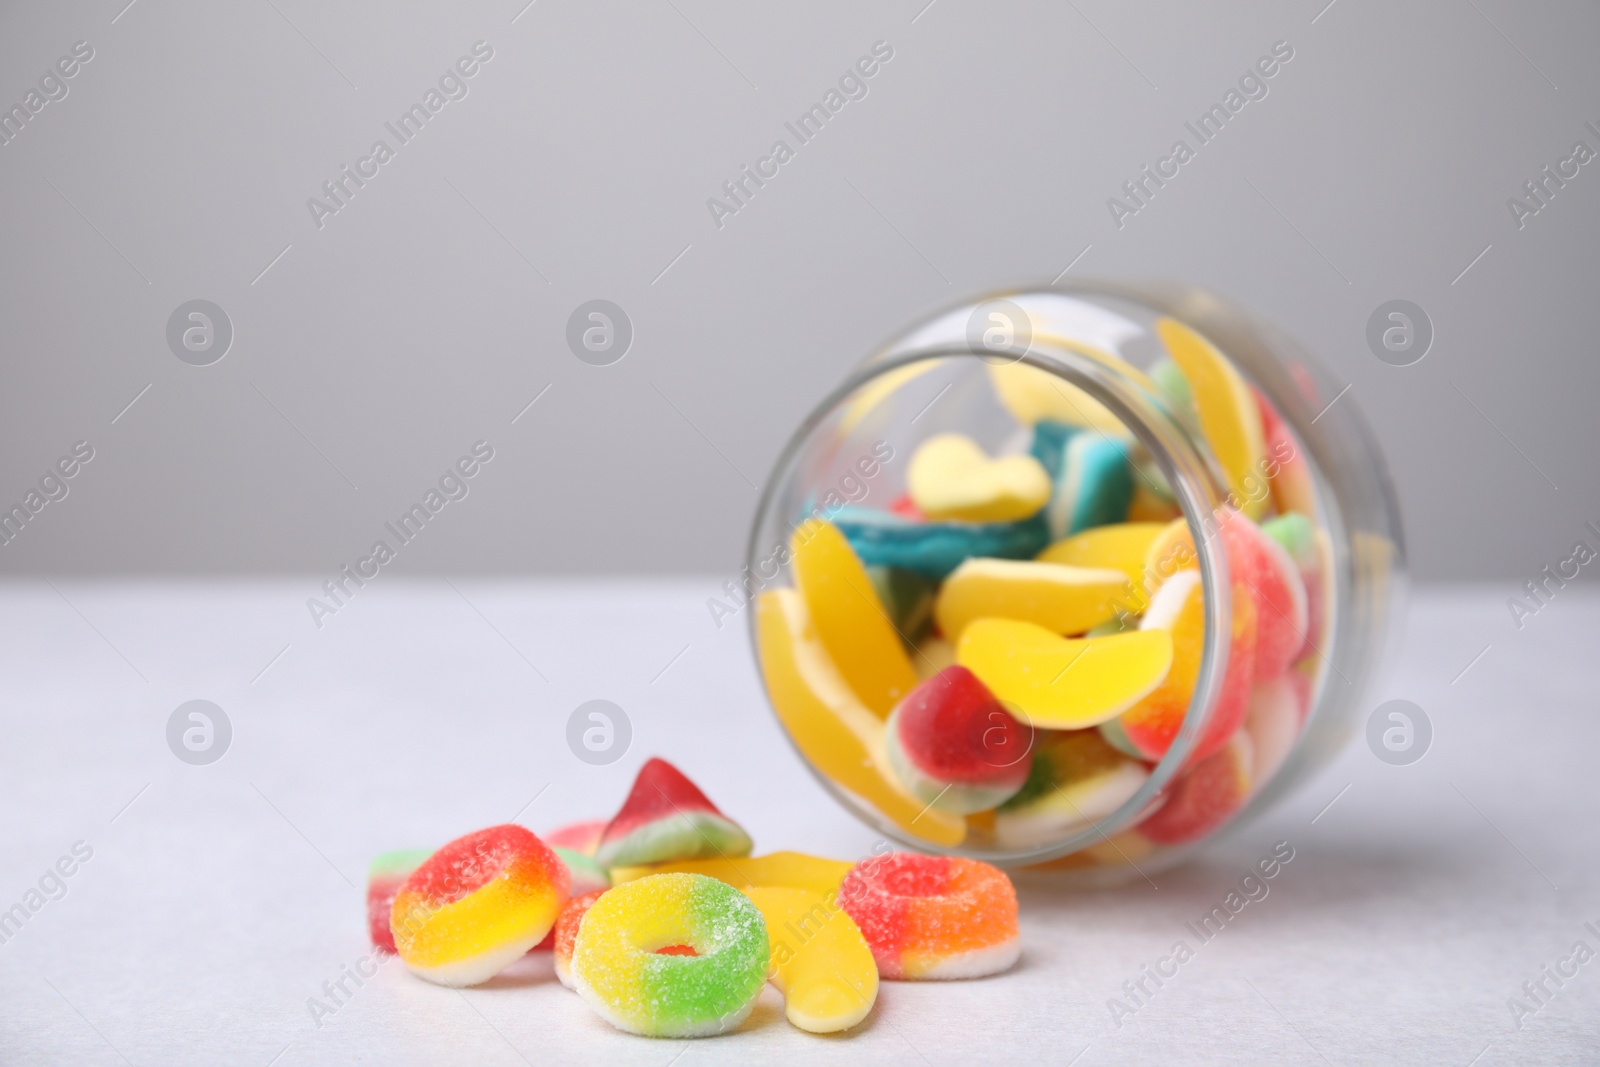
(220, 899)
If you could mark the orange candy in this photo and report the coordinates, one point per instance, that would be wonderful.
(933, 916)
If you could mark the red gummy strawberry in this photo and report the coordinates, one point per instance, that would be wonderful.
(666, 818)
(954, 746)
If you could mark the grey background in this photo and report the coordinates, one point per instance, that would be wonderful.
(427, 314)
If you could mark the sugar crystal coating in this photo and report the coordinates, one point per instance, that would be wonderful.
(477, 904)
(933, 916)
(620, 971)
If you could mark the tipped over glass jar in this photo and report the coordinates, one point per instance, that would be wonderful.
(1074, 577)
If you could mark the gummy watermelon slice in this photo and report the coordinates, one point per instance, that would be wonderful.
(667, 818)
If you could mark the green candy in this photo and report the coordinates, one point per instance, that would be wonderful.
(619, 970)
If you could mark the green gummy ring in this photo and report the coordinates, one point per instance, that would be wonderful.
(617, 969)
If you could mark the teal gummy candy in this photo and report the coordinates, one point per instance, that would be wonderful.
(908, 597)
(1094, 486)
(1050, 445)
(934, 549)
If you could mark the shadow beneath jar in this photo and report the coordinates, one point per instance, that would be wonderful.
(1322, 875)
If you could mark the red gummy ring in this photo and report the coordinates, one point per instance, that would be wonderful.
(933, 916)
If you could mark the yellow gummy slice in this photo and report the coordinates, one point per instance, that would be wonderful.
(1171, 550)
(836, 732)
(820, 962)
(1121, 546)
(950, 477)
(1032, 394)
(785, 870)
(866, 399)
(849, 619)
(1229, 415)
(1063, 599)
(1061, 683)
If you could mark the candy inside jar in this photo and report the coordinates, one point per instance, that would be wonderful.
(1073, 577)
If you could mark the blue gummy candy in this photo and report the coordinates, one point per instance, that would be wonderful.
(882, 538)
(1095, 485)
(1050, 444)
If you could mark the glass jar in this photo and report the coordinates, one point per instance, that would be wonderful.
(1190, 417)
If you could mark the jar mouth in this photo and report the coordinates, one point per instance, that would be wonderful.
(1194, 479)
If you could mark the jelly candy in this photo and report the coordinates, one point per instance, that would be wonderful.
(579, 836)
(902, 506)
(1119, 546)
(1049, 445)
(1057, 597)
(829, 724)
(1173, 388)
(566, 932)
(933, 916)
(385, 875)
(1229, 415)
(1095, 485)
(936, 548)
(1204, 797)
(1280, 592)
(950, 477)
(786, 870)
(1288, 472)
(477, 904)
(1033, 395)
(619, 970)
(1303, 543)
(1091, 475)
(820, 962)
(1257, 566)
(848, 617)
(1076, 779)
(908, 598)
(587, 875)
(870, 397)
(1149, 504)
(666, 817)
(1277, 712)
(1059, 683)
(1146, 730)
(954, 747)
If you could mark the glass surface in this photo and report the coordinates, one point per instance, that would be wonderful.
(1095, 359)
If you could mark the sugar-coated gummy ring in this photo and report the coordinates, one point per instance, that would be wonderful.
(478, 904)
(619, 970)
(566, 932)
(933, 916)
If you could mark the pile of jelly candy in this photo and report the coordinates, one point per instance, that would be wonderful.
(664, 924)
(1001, 657)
